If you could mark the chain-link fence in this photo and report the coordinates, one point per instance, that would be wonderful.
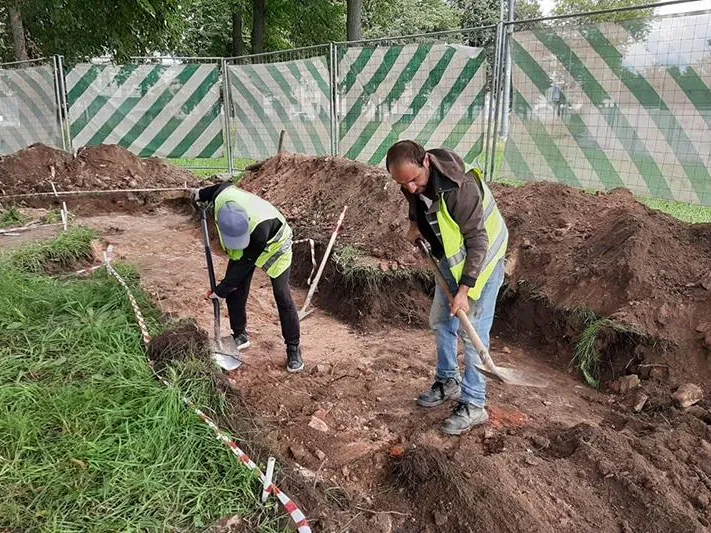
(162, 107)
(605, 104)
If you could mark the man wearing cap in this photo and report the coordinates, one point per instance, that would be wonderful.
(254, 233)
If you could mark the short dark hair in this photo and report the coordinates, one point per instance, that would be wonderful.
(405, 152)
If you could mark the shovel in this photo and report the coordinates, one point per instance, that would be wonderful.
(507, 376)
(225, 356)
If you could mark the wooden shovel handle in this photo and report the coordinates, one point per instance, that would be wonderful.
(461, 315)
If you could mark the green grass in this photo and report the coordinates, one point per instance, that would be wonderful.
(204, 168)
(596, 335)
(693, 214)
(89, 440)
(69, 247)
(11, 217)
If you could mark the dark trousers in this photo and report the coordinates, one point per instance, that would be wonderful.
(288, 316)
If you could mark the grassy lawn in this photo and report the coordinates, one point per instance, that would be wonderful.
(205, 168)
(89, 440)
(694, 214)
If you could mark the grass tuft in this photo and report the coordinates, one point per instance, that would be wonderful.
(593, 339)
(66, 249)
(11, 217)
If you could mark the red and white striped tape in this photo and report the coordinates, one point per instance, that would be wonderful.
(295, 513)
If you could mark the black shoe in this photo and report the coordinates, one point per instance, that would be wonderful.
(294, 363)
(439, 392)
(242, 341)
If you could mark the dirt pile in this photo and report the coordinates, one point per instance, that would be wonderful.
(612, 255)
(606, 253)
(95, 167)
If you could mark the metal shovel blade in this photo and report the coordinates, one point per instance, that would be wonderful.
(226, 356)
(512, 376)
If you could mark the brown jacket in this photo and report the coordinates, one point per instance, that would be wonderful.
(463, 197)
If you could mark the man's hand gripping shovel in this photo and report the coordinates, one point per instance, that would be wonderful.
(507, 376)
(225, 354)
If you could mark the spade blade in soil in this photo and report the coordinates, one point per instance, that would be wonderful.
(512, 376)
(225, 356)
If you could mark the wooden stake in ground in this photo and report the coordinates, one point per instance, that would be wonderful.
(304, 313)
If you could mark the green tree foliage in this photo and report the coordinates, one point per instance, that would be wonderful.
(383, 18)
(80, 29)
(637, 21)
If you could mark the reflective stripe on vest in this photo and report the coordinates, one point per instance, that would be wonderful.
(453, 240)
(276, 257)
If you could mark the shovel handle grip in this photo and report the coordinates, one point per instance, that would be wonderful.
(461, 315)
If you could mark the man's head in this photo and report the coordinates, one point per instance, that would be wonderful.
(409, 165)
(233, 223)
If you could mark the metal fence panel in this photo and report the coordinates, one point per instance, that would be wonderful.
(611, 105)
(28, 107)
(171, 111)
(432, 93)
(293, 96)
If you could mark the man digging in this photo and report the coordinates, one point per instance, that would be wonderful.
(456, 214)
(253, 233)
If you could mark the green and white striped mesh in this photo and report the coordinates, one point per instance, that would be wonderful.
(615, 105)
(432, 93)
(293, 96)
(28, 110)
(151, 110)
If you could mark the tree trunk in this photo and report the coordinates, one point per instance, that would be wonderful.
(237, 41)
(18, 31)
(258, 24)
(353, 19)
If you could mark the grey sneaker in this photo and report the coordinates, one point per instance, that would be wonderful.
(242, 341)
(294, 363)
(464, 417)
(439, 393)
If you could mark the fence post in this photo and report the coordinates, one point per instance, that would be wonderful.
(333, 83)
(66, 124)
(507, 77)
(58, 101)
(227, 110)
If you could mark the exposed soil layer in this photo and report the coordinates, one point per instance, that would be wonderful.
(606, 253)
(35, 168)
(179, 342)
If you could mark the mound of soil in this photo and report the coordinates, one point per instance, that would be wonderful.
(95, 167)
(614, 256)
(606, 253)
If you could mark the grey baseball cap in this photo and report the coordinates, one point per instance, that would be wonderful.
(233, 223)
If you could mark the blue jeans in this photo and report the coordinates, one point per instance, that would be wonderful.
(446, 329)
